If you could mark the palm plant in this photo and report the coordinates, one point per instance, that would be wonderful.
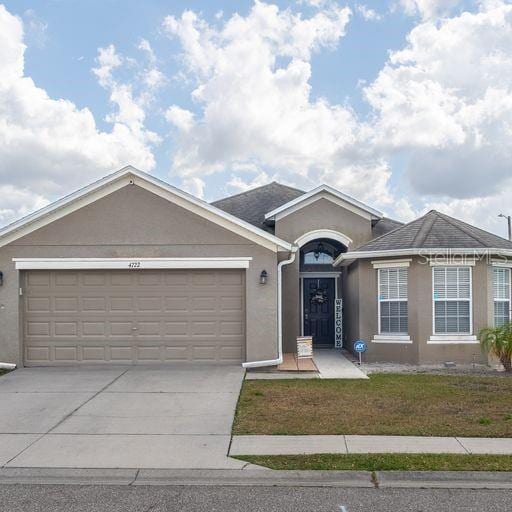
(498, 341)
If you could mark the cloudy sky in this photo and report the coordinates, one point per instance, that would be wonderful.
(404, 104)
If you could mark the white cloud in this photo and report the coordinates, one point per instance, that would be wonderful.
(194, 186)
(427, 9)
(445, 101)
(181, 118)
(48, 146)
(252, 77)
(446, 98)
(152, 77)
(17, 202)
(367, 13)
(36, 28)
(238, 184)
(130, 109)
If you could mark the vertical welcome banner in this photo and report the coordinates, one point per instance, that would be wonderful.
(338, 324)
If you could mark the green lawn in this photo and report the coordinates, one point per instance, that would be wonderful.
(384, 462)
(386, 404)
(2, 372)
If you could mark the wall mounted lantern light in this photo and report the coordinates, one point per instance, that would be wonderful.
(263, 277)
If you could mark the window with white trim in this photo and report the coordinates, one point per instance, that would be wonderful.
(501, 287)
(452, 300)
(393, 311)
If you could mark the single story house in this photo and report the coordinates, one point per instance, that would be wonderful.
(133, 270)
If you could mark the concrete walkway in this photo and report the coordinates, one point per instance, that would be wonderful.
(332, 364)
(173, 416)
(297, 445)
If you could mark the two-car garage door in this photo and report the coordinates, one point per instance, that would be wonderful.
(117, 316)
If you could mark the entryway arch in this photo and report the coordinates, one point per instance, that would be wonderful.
(320, 286)
(323, 233)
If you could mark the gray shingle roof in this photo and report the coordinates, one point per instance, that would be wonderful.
(385, 225)
(253, 204)
(436, 230)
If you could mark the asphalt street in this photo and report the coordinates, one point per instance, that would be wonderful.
(74, 498)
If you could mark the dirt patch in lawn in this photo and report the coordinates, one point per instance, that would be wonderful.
(422, 405)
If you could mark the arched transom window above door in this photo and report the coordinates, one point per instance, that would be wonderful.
(319, 255)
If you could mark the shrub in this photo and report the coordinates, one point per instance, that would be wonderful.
(498, 341)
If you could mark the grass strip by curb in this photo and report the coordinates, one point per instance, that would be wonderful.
(383, 462)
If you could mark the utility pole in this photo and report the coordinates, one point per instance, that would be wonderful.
(509, 220)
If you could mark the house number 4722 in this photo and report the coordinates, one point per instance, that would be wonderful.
(134, 264)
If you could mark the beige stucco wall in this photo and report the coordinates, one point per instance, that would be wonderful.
(135, 223)
(362, 294)
(322, 214)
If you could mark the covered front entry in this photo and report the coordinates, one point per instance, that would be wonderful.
(321, 309)
(132, 316)
(318, 303)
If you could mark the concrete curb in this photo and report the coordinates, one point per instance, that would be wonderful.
(248, 477)
(67, 476)
(257, 478)
(444, 479)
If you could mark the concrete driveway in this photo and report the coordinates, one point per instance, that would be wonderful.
(173, 416)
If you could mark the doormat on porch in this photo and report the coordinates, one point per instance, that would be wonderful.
(292, 364)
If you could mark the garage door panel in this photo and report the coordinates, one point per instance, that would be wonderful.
(176, 279)
(94, 304)
(65, 304)
(66, 279)
(178, 304)
(122, 329)
(120, 304)
(94, 353)
(121, 353)
(93, 279)
(151, 304)
(99, 316)
(121, 278)
(36, 278)
(38, 305)
(68, 329)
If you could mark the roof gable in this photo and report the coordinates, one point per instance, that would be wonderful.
(324, 192)
(432, 231)
(130, 175)
(253, 204)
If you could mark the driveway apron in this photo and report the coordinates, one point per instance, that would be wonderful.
(172, 416)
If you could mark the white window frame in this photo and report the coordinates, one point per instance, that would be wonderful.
(455, 336)
(509, 299)
(398, 336)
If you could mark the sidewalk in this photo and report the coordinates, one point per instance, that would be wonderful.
(297, 445)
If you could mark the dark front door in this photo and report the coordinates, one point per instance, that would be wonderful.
(319, 310)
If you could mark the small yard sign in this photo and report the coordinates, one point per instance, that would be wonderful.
(304, 347)
(359, 347)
